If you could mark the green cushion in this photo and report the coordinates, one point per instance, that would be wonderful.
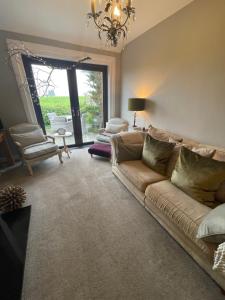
(198, 176)
(156, 154)
(126, 152)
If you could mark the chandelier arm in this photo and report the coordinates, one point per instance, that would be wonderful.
(99, 27)
(125, 22)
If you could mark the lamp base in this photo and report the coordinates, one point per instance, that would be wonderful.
(135, 114)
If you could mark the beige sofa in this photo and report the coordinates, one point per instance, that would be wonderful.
(177, 212)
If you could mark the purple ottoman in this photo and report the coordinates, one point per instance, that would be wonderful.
(103, 150)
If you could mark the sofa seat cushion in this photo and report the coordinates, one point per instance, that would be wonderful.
(139, 174)
(39, 149)
(180, 208)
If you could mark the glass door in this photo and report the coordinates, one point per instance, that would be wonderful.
(92, 97)
(67, 97)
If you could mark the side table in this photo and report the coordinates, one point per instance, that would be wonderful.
(63, 136)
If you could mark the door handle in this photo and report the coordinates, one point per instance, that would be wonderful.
(73, 112)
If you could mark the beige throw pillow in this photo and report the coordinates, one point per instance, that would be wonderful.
(212, 228)
(29, 138)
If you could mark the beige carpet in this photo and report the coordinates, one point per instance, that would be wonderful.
(90, 239)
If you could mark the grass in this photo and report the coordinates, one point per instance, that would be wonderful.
(61, 106)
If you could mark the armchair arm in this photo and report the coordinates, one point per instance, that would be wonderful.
(101, 130)
(50, 137)
(19, 146)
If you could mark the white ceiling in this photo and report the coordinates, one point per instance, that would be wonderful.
(65, 20)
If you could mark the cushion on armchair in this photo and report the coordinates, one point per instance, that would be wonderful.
(114, 128)
(40, 149)
(29, 138)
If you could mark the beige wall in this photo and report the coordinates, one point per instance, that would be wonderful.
(180, 65)
(11, 107)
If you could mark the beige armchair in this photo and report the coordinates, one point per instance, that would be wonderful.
(113, 126)
(33, 145)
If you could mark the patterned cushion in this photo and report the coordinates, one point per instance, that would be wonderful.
(40, 149)
(180, 208)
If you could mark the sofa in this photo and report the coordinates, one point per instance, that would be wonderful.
(176, 211)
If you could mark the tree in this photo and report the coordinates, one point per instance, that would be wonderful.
(95, 92)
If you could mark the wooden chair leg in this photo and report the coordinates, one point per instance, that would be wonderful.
(29, 169)
(60, 157)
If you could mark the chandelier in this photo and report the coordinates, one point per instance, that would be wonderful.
(113, 19)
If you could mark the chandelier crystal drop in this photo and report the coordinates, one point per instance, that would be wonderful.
(112, 19)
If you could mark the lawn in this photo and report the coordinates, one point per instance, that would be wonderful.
(61, 106)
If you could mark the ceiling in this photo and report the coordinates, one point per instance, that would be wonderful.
(66, 20)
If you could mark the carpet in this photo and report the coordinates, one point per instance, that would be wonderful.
(90, 239)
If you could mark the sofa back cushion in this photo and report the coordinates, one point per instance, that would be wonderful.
(200, 177)
(200, 149)
(132, 137)
(156, 154)
(163, 135)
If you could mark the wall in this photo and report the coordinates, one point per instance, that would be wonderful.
(11, 107)
(180, 66)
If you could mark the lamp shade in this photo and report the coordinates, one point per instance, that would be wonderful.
(136, 104)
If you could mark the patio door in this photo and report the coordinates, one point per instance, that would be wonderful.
(68, 97)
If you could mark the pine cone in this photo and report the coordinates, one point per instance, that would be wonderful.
(11, 197)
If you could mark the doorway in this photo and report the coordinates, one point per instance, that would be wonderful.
(74, 98)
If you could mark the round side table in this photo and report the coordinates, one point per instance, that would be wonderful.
(63, 136)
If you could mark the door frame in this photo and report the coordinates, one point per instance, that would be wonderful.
(73, 90)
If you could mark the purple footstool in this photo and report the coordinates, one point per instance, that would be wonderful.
(99, 149)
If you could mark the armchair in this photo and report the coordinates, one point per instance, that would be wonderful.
(113, 126)
(33, 145)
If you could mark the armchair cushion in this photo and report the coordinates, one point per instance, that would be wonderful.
(23, 128)
(115, 128)
(29, 138)
(40, 149)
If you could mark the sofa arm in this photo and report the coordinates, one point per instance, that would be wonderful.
(125, 138)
